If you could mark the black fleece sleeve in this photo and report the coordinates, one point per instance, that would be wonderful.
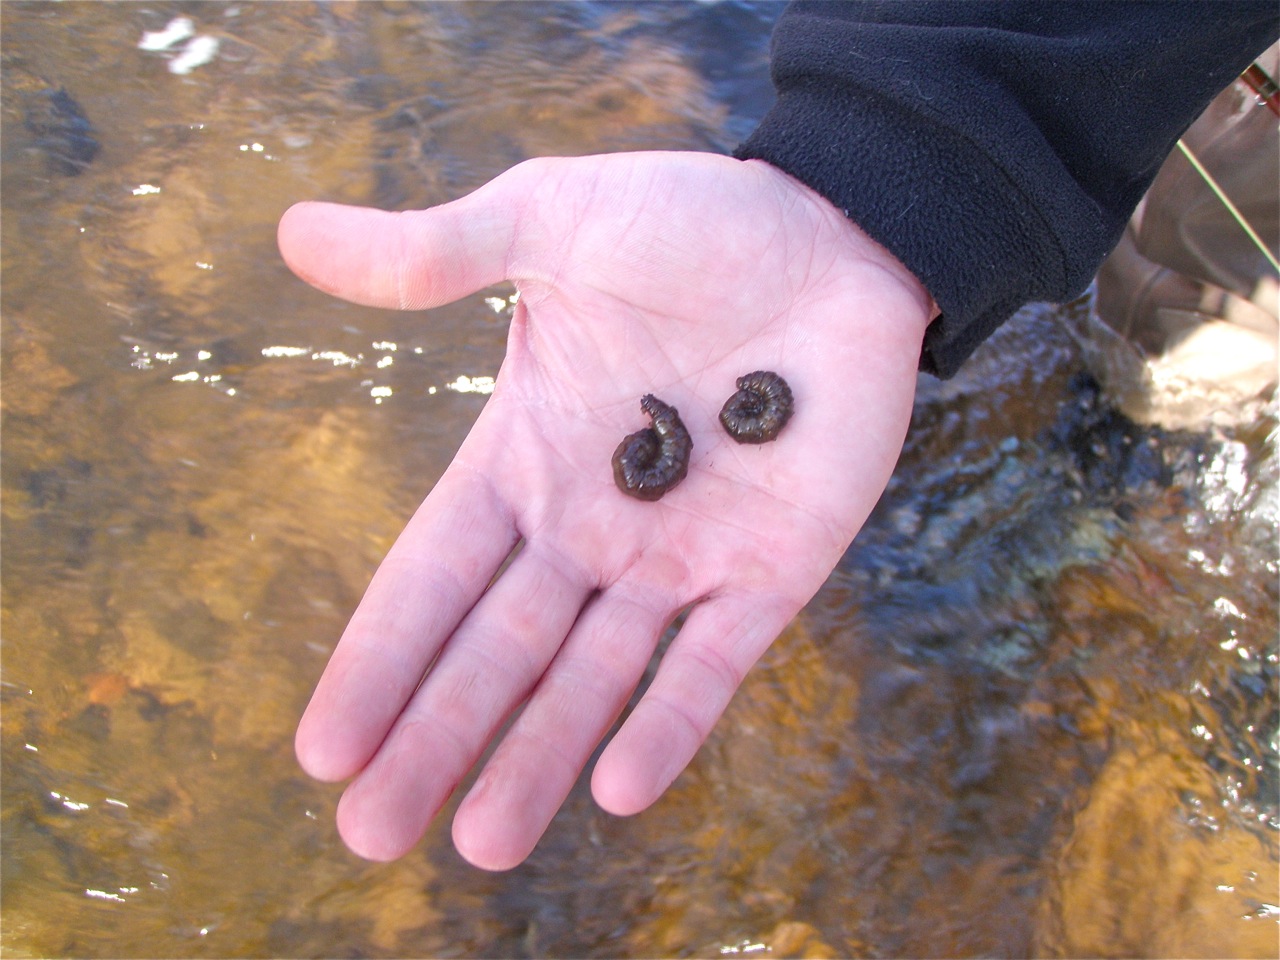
(996, 148)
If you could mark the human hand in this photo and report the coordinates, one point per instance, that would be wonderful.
(670, 274)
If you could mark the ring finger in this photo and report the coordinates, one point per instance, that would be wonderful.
(534, 768)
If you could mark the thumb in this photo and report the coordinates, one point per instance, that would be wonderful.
(406, 261)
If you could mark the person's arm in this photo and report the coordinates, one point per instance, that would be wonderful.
(670, 274)
(996, 148)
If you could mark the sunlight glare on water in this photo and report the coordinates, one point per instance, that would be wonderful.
(1033, 711)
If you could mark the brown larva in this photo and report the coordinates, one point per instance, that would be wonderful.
(650, 462)
(760, 409)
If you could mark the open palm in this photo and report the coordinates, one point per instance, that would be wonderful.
(670, 274)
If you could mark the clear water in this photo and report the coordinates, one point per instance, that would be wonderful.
(1033, 711)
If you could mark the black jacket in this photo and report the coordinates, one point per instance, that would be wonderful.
(996, 148)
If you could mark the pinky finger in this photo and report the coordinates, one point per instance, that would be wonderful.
(719, 642)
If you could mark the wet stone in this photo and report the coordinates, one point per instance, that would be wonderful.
(62, 130)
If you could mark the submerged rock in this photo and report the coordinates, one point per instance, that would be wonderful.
(62, 130)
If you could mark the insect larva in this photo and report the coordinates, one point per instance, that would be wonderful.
(650, 462)
(760, 409)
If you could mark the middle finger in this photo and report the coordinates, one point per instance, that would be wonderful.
(486, 668)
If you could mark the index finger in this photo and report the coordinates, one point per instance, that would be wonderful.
(432, 576)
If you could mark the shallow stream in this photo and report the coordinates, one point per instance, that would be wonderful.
(1033, 711)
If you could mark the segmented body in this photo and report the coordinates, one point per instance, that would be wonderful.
(650, 462)
(760, 409)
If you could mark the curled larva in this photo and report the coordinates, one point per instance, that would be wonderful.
(760, 409)
(650, 462)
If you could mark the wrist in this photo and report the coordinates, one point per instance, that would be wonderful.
(888, 306)
(859, 244)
